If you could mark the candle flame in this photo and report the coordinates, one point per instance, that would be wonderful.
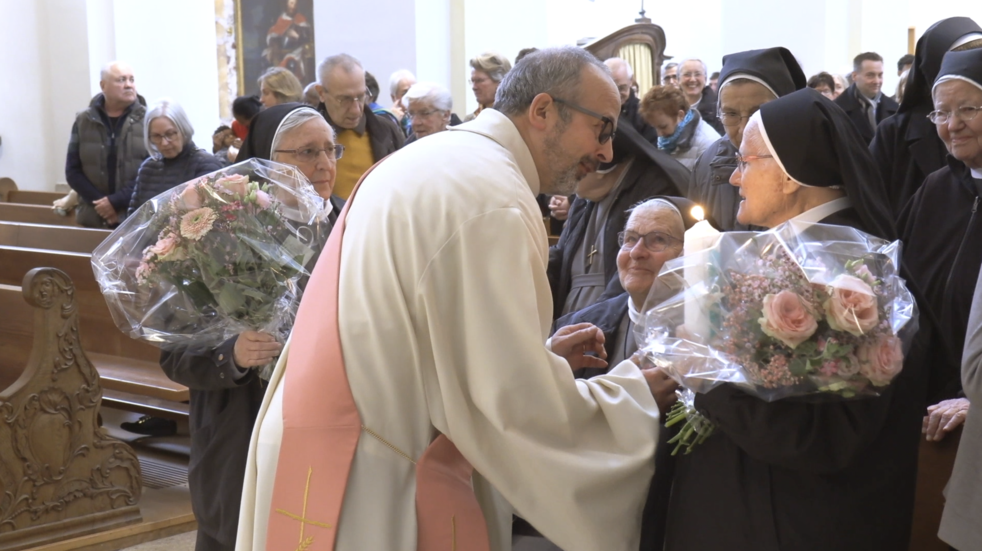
(698, 213)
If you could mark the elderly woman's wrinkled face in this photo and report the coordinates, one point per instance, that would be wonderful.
(313, 145)
(963, 138)
(653, 235)
(762, 183)
(426, 118)
(484, 87)
(164, 134)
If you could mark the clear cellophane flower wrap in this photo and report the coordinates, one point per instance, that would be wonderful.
(215, 256)
(799, 310)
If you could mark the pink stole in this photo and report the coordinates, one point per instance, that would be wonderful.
(321, 427)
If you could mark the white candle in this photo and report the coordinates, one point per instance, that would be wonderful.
(698, 238)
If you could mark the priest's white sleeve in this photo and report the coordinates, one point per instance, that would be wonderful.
(574, 457)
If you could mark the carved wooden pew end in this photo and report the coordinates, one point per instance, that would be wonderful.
(61, 475)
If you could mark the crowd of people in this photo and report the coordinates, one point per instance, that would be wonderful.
(561, 443)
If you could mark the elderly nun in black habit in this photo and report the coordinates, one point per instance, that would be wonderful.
(226, 390)
(940, 229)
(747, 81)
(906, 146)
(799, 474)
(582, 265)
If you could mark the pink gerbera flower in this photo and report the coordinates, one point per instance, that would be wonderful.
(197, 223)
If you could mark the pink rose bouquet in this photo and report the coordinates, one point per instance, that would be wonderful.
(215, 256)
(797, 310)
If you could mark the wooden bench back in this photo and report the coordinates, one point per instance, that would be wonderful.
(26, 197)
(34, 214)
(56, 238)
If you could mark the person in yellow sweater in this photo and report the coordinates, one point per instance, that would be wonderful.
(366, 138)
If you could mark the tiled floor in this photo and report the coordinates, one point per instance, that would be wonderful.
(180, 542)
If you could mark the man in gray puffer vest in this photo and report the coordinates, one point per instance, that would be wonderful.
(106, 149)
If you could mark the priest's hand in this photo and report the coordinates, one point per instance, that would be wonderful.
(944, 417)
(574, 342)
(255, 349)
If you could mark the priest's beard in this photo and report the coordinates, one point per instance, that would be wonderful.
(566, 172)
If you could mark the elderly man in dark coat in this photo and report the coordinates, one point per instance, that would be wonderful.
(799, 474)
(583, 264)
(906, 146)
(748, 80)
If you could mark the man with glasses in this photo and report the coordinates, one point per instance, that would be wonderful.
(670, 75)
(106, 149)
(748, 80)
(366, 137)
(436, 296)
(623, 75)
(692, 81)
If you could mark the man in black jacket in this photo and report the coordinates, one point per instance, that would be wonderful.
(623, 75)
(366, 137)
(863, 101)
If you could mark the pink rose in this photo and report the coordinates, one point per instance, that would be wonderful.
(263, 199)
(143, 272)
(881, 361)
(236, 184)
(164, 246)
(786, 319)
(190, 197)
(851, 306)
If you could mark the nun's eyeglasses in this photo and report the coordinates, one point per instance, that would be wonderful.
(731, 118)
(310, 154)
(655, 241)
(606, 131)
(964, 114)
(744, 160)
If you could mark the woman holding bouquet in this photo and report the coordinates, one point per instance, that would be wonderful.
(226, 389)
(799, 474)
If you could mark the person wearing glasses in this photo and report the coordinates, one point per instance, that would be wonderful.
(106, 149)
(748, 80)
(702, 98)
(939, 228)
(174, 159)
(226, 390)
(429, 107)
(906, 146)
(487, 71)
(439, 274)
(800, 474)
(652, 236)
(583, 264)
(670, 75)
(366, 137)
(681, 131)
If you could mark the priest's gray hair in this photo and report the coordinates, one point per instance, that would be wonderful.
(293, 120)
(431, 93)
(345, 61)
(173, 111)
(553, 71)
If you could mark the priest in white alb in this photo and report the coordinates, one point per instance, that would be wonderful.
(417, 406)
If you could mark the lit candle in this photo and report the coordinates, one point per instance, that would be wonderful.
(698, 238)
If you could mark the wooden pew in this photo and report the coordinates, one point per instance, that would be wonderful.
(56, 238)
(26, 197)
(129, 369)
(64, 477)
(34, 214)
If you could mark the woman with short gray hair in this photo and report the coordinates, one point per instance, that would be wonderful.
(174, 159)
(428, 106)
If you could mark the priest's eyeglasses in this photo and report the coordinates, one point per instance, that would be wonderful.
(964, 114)
(655, 241)
(607, 131)
(310, 154)
(744, 160)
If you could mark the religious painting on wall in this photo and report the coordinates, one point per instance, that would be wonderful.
(274, 33)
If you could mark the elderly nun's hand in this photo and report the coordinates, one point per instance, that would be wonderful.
(662, 388)
(574, 342)
(944, 417)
